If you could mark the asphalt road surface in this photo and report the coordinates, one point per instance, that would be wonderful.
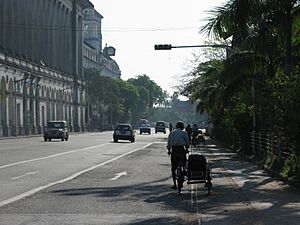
(91, 180)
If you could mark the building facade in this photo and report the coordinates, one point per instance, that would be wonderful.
(99, 59)
(94, 56)
(41, 65)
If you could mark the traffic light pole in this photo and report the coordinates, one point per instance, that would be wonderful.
(169, 47)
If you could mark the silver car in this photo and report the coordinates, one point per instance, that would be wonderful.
(124, 132)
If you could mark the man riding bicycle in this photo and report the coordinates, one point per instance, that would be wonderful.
(178, 145)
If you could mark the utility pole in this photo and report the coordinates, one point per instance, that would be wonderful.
(169, 46)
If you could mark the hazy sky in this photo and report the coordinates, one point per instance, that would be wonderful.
(133, 27)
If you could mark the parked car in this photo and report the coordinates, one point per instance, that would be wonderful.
(56, 130)
(160, 126)
(145, 128)
(124, 132)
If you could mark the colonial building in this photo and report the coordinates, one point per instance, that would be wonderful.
(98, 58)
(95, 57)
(41, 65)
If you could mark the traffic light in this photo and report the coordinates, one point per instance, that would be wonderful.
(162, 47)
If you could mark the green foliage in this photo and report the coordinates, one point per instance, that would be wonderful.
(155, 93)
(273, 163)
(291, 169)
(260, 76)
(150, 95)
(125, 101)
(165, 114)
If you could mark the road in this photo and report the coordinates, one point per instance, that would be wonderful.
(91, 180)
(29, 165)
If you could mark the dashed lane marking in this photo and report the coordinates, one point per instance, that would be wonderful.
(35, 190)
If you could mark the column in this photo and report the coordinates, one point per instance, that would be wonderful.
(80, 46)
(65, 38)
(25, 109)
(31, 111)
(37, 109)
(40, 47)
(49, 34)
(55, 39)
(15, 25)
(22, 42)
(48, 106)
(3, 25)
(30, 26)
(8, 24)
(68, 43)
(62, 31)
(74, 46)
(45, 16)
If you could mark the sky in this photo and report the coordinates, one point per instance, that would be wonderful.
(133, 27)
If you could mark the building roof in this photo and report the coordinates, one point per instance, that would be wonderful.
(85, 3)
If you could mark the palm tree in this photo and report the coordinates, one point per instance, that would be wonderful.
(206, 89)
(261, 38)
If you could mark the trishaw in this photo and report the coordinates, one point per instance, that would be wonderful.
(198, 171)
(195, 170)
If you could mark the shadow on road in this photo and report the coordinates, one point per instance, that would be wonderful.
(242, 194)
(158, 221)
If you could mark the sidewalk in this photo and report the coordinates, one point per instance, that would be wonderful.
(41, 135)
(20, 136)
(274, 201)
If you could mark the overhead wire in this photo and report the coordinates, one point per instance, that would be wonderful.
(79, 29)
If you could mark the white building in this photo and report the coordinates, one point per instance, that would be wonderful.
(95, 56)
(41, 72)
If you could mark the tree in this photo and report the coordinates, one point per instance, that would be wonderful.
(150, 94)
(116, 100)
(156, 94)
(265, 43)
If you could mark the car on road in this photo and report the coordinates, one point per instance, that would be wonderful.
(124, 131)
(56, 130)
(160, 126)
(145, 128)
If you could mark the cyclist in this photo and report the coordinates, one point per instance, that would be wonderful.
(178, 145)
(170, 127)
(189, 131)
(195, 131)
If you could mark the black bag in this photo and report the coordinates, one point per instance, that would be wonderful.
(196, 166)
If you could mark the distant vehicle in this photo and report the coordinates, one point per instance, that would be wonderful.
(124, 131)
(56, 130)
(160, 126)
(143, 121)
(145, 128)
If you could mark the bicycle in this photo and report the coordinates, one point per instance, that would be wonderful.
(180, 175)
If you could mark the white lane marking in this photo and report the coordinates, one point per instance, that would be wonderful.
(24, 175)
(33, 191)
(118, 175)
(52, 156)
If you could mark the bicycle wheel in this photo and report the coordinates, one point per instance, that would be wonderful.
(180, 178)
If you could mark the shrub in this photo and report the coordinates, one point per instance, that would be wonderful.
(274, 164)
(291, 170)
